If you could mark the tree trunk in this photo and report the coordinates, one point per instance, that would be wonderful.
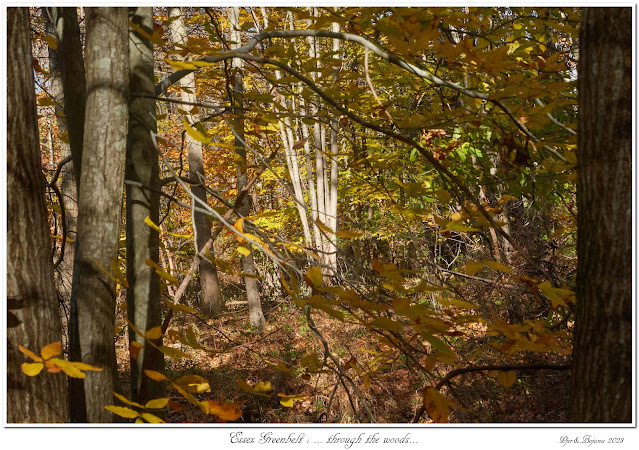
(33, 319)
(210, 292)
(601, 387)
(73, 79)
(143, 295)
(100, 204)
(256, 316)
(69, 187)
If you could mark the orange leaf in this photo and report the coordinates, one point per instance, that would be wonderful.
(156, 376)
(134, 349)
(225, 411)
(51, 350)
(29, 353)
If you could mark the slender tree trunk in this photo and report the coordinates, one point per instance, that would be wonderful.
(332, 197)
(210, 292)
(601, 389)
(100, 203)
(69, 187)
(73, 79)
(256, 316)
(142, 243)
(74, 87)
(33, 319)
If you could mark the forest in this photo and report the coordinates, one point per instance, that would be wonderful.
(338, 215)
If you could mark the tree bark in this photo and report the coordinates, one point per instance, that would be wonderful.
(256, 316)
(33, 319)
(601, 386)
(69, 188)
(210, 292)
(100, 204)
(144, 307)
(73, 80)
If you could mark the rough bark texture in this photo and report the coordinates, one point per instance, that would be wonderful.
(256, 316)
(100, 202)
(142, 243)
(210, 292)
(601, 389)
(32, 317)
(73, 79)
(64, 273)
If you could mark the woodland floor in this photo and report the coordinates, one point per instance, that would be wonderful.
(234, 351)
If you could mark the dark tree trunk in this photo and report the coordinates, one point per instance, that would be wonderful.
(73, 79)
(33, 319)
(100, 203)
(601, 389)
(142, 243)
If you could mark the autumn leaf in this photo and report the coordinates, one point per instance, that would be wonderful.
(51, 350)
(32, 369)
(153, 333)
(156, 376)
(29, 353)
(507, 379)
(262, 388)
(436, 405)
(198, 135)
(122, 411)
(314, 277)
(225, 411)
(497, 266)
(126, 401)
(289, 400)
(134, 349)
(151, 418)
(193, 383)
(157, 403)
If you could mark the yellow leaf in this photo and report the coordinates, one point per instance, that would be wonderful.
(78, 365)
(193, 383)
(122, 411)
(157, 403)
(154, 333)
(314, 277)
(322, 226)
(386, 324)
(32, 369)
(156, 376)
(126, 401)
(472, 267)
(151, 418)
(243, 250)
(436, 405)
(150, 223)
(173, 352)
(29, 353)
(168, 277)
(261, 388)
(507, 379)
(289, 400)
(51, 41)
(196, 134)
(183, 308)
(225, 411)
(497, 266)
(349, 234)
(115, 268)
(51, 350)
